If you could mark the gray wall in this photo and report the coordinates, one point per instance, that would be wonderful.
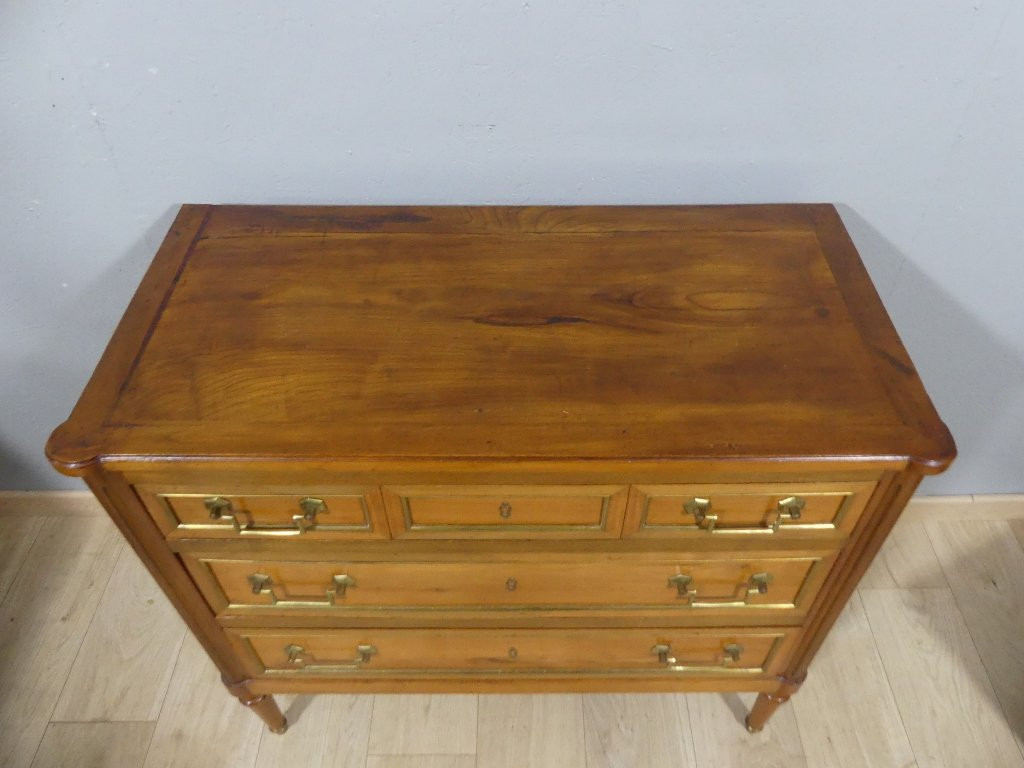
(909, 114)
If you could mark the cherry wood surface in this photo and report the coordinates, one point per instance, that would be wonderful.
(535, 390)
(632, 332)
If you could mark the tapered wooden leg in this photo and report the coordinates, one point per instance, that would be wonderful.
(767, 703)
(262, 704)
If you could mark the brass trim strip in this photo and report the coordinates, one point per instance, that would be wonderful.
(282, 530)
(833, 525)
(739, 607)
(601, 525)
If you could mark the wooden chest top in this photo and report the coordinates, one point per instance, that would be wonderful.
(505, 333)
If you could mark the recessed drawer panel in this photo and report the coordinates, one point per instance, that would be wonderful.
(512, 511)
(322, 513)
(707, 587)
(745, 509)
(420, 652)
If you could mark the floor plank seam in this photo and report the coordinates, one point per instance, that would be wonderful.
(977, 650)
(163, 702)
(885, 672)
(78, 650)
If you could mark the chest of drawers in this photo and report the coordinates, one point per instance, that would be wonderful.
(505, 449)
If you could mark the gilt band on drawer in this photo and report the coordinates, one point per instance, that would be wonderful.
(505, 449)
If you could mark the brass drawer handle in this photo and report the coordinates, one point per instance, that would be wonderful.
(298, 657)
(789, 508)
(262, 584)
(505, 510)
(757, 584)
(682, 582)
(730, 656)
(222, 509)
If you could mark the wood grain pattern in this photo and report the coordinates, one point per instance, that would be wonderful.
(718, 740)
(16, 537)
(848, 717)
(1017, 526)
(402, 360)
(938, 680)
(985, 568)
(531, 730)
(323, 732)
(421, 761)
(423, 724)
(42, 621)
(906, 560)
(196, 711)
(94, 745)
(128, 654)
(631, 729)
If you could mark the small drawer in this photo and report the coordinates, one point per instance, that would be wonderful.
(322, 513)
(527, 652)
(745, 509)
(512, 511)
(710, 588)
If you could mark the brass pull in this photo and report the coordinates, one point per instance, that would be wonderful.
(298, 657)
(260, 583)
(730, 655)
(511, 584)
(757, 584)
(222, 509)
(505, 510)
(682, 582)
(263, 585)
(701, 510)
(790, 508)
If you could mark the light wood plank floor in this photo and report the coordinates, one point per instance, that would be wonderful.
(924, 668)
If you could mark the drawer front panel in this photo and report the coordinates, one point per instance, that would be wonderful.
(745, 509)
(634, 652)
(337, 513)
(236, 587)
(506, 511)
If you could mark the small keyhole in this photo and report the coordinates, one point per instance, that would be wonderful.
(511, 584)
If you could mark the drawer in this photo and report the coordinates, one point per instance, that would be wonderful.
(713, 509)
(706, 587)
(507, 511)
(440, 652)
(317, 513)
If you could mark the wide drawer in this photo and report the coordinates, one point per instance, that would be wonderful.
(322, 513)
(423, 652)
(716, 587)
(510, 511)
(745, 509)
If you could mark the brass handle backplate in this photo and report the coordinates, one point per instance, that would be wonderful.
(789, 508)
(505, 510)
(299, 658)
(221, 508)
(262, 584)
(730, 656)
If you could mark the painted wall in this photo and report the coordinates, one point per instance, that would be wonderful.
(909, 114)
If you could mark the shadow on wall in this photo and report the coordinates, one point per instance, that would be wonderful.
(44, 385)
(975, 379)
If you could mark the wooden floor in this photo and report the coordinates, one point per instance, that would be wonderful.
(924, 668)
